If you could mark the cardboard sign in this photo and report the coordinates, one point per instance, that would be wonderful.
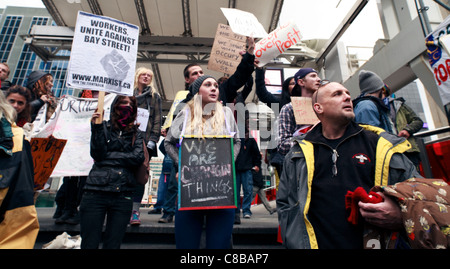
(244, 23)
(103, 56)
(277, 42)
(303, 111)
(46, 153)
(225, 55)
(206, 176)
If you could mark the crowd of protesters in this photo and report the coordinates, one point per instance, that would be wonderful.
(352, 174)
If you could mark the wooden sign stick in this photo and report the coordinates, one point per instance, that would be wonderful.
(101, 101)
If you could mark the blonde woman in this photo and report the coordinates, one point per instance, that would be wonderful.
(147, 99)
(203, 115)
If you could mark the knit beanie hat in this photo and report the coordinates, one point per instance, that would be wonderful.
(195, 86)
(303, 72)
(369, 82)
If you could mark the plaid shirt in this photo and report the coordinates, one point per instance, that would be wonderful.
(287, 128)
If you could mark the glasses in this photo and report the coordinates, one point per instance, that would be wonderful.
(334, 158)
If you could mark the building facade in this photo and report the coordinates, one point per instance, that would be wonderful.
(15, 24)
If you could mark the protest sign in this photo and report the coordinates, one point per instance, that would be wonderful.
(225, 55)
(244, 23)
(142, 118)
(46, 153)
(439, 58)
(303, 111)
(206, 176)
(277, 42)
(72, 122)
(103, 56)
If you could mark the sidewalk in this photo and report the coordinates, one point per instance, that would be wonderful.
(258, 232)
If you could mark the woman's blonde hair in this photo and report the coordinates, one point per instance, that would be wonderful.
(199, 115)
(140, 71)
(6, 110)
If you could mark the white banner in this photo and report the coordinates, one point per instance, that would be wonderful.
(439, 58)
(277, 42)
(72, 121)
(244, 23)
(103, 56)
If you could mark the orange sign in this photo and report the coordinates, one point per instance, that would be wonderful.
(46, 153)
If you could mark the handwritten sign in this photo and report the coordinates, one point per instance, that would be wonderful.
(72, 122)
(303, 111)
(244, 23)
(277, 42)
(46, 153)
(225, 55)
(103, 56)
(206, 174)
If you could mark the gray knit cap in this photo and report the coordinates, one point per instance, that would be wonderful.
(195, 86)
(369, 82)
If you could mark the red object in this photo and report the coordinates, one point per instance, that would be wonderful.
(439, 156)
(352, 199)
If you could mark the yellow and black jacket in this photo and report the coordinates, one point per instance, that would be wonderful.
(300, 170)
(19, 224)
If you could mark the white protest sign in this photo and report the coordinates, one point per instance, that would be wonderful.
(244, 23)
(72, 121)
(142, 118)
(277, 42)
(439, 58)
(103, 56)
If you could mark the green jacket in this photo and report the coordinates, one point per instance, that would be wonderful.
(294, 190)
(406, 119)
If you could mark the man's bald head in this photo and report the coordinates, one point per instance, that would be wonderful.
(332, 100)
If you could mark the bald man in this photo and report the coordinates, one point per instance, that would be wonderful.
(335, 157)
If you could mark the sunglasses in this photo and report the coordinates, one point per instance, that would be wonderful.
(323, 82)
(334, 158)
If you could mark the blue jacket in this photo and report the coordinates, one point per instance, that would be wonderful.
(372, 111)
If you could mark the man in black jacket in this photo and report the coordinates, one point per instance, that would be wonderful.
(248, 160)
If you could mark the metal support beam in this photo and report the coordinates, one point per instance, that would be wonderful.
(95, 7)
(276, 15)
(142, 14)
(346, 22)
(187, 18)
(59, 20)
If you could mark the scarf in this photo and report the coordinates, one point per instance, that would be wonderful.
(124, 115)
